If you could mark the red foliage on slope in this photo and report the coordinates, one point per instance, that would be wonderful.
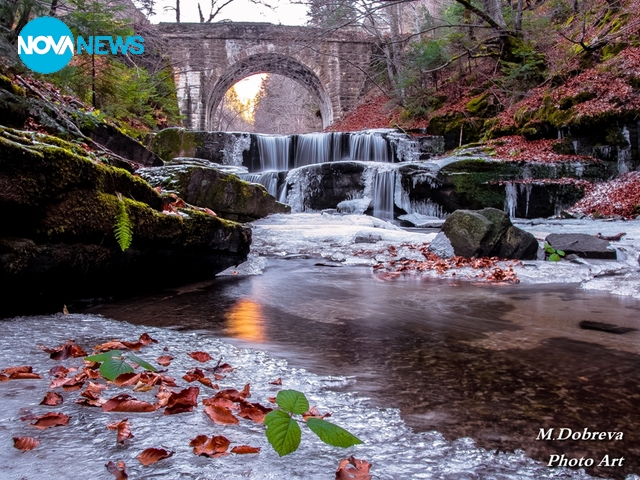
(620, 196)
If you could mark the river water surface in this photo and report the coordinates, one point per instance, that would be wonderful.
(494, 363)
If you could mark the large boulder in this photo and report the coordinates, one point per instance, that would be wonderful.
(581, 244)
(488, 233)
(207, 186)
(57, 218)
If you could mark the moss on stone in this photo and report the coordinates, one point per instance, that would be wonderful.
(612, 49)
(478, 106)
(175, 142)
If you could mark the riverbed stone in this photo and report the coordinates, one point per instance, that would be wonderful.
(441, 246)
(486, 233)
(581, 244)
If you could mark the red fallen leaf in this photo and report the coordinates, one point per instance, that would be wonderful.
(200, 356)
(69, 384)
(183, 401)
(126, 379)
(313, 412)
(206, 381)
(221, 415)
(271, 399)
(92, 396)
(217, 376)
(25, 443)
(163, 396)
(221, 402)
(52, 399)
(353, 469)
(233, 394)
(224, 368)
(253, 413)
(59, 371)
(277, 381)
(215, 446)
(146, 339)
(208, 211)
(246, 391)
(119, 471)
(169, 381)
(124, 430)
(24, 376)
(244, 449)
(153, 455)
(112, 345)
(48, 420)
(14, 370)
(164, 360)
(124, 403)
(3, 378)
(91, 373)
(193, 375)
(68, 349)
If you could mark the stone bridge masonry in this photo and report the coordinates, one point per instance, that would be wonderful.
(208, 58)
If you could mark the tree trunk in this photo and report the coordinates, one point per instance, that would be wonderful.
(519, 16)
(54, 7)
(178, 11)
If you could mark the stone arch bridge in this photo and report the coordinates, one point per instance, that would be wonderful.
(208, 58)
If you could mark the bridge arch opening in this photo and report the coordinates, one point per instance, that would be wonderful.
(275, 64)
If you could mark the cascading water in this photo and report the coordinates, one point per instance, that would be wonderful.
(268, 179)
(383, 193)
(368, 146)
(274, 152)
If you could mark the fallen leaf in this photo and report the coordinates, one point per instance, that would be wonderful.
(224, 368)
(183, 401)
(253, 412)
(277, 381)
(200, 356)
(119, 471)
(69, 384)
(25, 443)
(153, 455)
(124, 430)
(221, 402)
(127, 379)
(272, 399)
(52, 399)
(125, 403)
(193, 375)
(313, 412)
(59, 371)
(244, 449)
(221, 415)
(68, 349)
(20, 373)
(353, 469)
(164, 360)
(48, 420)
(214, 447)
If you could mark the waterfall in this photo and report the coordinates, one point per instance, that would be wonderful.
(511, 199)
(268, 179)
(624, 153)
(312, 148)
(368, 146)
(274, 152)
(383, 193)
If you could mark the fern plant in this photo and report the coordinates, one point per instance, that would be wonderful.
(123, 229)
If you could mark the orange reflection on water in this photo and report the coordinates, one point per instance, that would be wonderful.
(245, 321)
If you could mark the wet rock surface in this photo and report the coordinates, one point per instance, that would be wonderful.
(582, 245)
(488, 233)
(214, 188)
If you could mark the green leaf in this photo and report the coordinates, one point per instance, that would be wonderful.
(561, 253)
(123, 229)
(548, 248)
(141, 362)
(332, 434)
(101, 357)
(292, 401)
(554, 258)
(112, 367)
(283, 432)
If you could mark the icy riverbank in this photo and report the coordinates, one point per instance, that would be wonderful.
(365, 240)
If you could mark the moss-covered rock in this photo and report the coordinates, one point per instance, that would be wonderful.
(488, 232)
(57, 216)
(224, 193)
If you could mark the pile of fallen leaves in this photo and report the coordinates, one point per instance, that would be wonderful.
(224, 407)
(517, 149)
(373, 112)
(618, 197)
(489, 268)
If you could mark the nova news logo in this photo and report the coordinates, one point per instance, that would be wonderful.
(46, 45)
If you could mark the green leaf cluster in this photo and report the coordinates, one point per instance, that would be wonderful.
(284, 433)
(123, 229)
(554, 255)
(114, 363)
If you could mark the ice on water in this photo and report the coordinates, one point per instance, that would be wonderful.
(81, 449)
